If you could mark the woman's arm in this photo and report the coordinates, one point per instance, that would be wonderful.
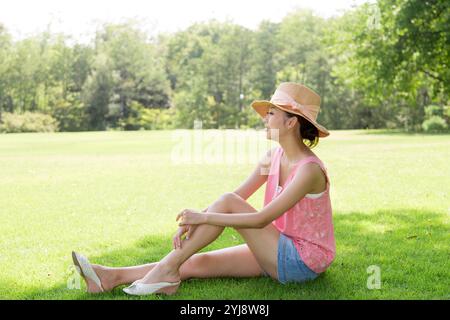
(251, 220)
(257, 178)
(302, 183)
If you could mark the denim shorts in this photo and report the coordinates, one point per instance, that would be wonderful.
(291, 268)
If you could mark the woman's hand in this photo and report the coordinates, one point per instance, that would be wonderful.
(182, 230)
(189, 216)
(188, 229)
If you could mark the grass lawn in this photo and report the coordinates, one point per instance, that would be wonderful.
(113, 196)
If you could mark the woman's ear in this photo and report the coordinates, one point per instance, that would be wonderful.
(291, 122)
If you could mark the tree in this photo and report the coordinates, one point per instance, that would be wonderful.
(137, 73)
(419, 34)
(97, 92)
(5, 65)
(264, 67)
(216, 54)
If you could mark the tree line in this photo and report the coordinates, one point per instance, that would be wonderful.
(383, 65)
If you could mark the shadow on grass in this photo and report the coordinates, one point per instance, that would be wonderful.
(409, 246)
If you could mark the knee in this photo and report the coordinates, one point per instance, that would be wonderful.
(228, 199)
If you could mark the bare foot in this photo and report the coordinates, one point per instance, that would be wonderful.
(162, 273)
(107, 279)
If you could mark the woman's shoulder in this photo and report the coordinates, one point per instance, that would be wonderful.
(312, 161)
(312, 158)
(315, 168)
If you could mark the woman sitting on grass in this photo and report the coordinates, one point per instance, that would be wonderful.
(290, 239)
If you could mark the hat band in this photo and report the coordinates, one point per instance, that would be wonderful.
(281, 98)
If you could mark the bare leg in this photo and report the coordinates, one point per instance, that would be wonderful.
(236, 261)
(261, 243)
(112, 277)
(168, 268)
(176, 260)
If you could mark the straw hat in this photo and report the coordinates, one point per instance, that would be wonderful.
(294, 98)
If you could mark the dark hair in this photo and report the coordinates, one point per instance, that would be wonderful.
(308, 131)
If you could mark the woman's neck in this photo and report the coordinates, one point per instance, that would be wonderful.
(294, 149)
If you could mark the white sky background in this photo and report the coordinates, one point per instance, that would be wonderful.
(80, 18)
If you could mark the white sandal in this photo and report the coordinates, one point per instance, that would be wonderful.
(140, 289)
(85, 269)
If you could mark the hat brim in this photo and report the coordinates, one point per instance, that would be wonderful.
(263, 106)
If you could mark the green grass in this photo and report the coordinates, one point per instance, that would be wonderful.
(114, 196)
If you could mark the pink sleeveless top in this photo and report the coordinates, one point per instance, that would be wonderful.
(309, 222)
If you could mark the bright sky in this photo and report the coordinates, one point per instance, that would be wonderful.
(80, 17)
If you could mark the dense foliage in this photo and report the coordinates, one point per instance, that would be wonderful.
(375, 66)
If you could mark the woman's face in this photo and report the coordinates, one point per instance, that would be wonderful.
(277, 123)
